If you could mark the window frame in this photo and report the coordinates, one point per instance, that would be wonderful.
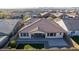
(51, 34)
(24, 34)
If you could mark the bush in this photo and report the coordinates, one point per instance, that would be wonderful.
(13, 43)
(28, 47)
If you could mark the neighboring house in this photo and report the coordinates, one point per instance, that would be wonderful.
(29, 13)
(57, 14)
(9, 27)
(69, 25)
(72, 26)
(45, 14)
(66, 17)
(16, 15)
(35, 14)
(76, 17)
(42, 31)
(69, 16)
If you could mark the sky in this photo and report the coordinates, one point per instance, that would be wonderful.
(38, 3)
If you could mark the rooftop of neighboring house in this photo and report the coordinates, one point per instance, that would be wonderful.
(57, 14)
(2, 38)
(44, 13)
(72, 14)
(72, 25)
(6, 26)
(43, 25)
(69, 16)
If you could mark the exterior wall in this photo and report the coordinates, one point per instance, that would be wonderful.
(73, 34)
(57, 36)
(48, 42)
(77, 33)
(34, 42)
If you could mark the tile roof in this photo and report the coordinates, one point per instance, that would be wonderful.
(44, 25)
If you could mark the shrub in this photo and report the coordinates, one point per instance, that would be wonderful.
(13, 43)
(28, 47)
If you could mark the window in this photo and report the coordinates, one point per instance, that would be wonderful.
(60, 33)
(24, 34)
(27, 34)
(51, 34)
(38, 35)
(73, 32)
(48, 34)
